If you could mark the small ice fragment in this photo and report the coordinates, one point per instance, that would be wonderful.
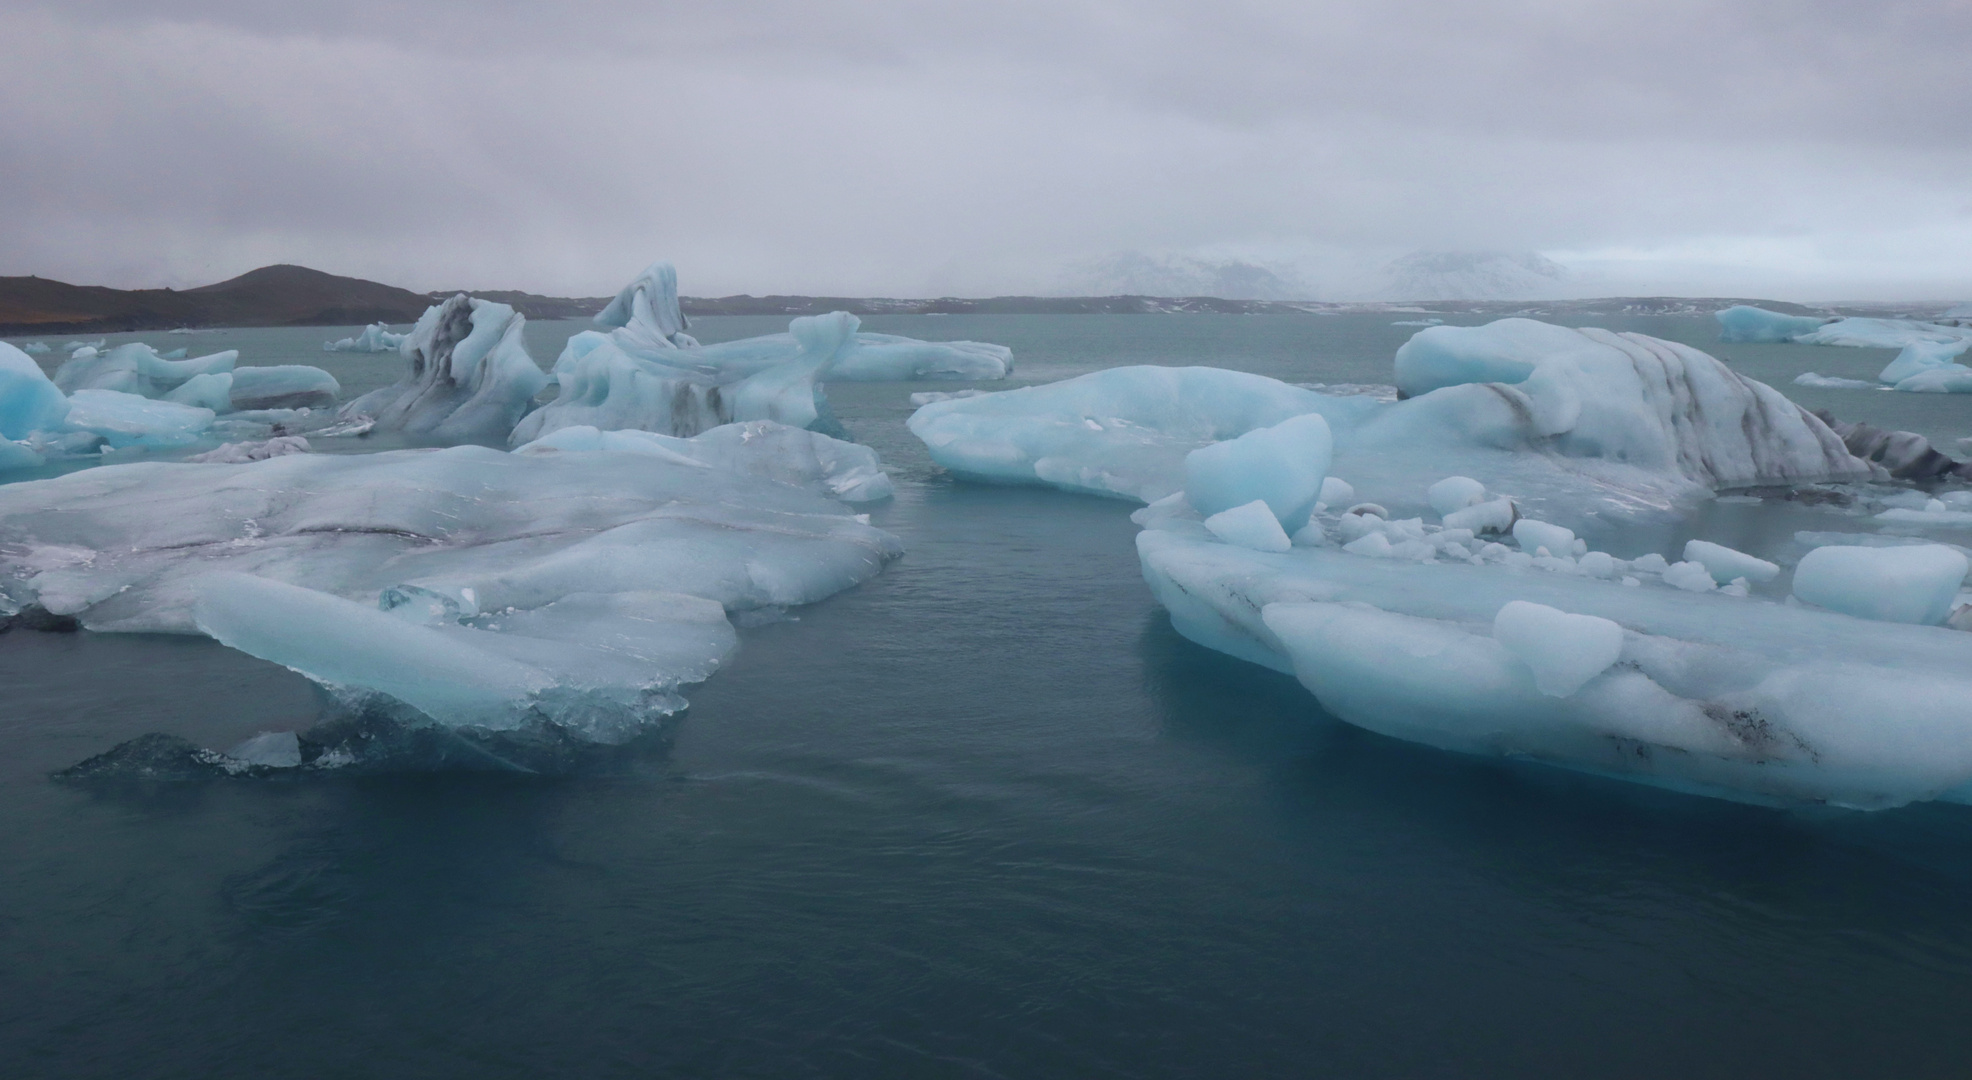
(1533, 534)
(1375, 545)
(1337, 492)
(1689, 576)
(1726, 564)
(1455, 493)
(1652, 563)
(1496, 516)
(1251, 525)
(1915, 584)
(1563, 650)
(1597, 564)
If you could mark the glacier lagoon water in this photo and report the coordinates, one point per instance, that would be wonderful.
(985, 815)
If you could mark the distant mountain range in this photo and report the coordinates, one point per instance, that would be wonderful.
(297, 296)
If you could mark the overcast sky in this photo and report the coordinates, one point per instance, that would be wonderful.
(1799, 149)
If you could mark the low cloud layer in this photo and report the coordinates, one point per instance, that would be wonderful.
(1799, 150)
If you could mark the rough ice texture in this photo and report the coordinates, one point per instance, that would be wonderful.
(1751, 324)
(1830, 382)
(1906, 455)
(763, 448)
(1914, 584)
(375, 337)
(1599, 426)
(242, 452)
(1714, 694)
(592, 582)
(470, 377)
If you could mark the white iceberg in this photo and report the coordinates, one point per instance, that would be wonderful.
(485, 589)
(282, 386)
(35, 348)
(1924, 365)
(470, 379)
(126, 420)
(375, 337)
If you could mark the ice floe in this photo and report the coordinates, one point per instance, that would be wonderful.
(373, 338)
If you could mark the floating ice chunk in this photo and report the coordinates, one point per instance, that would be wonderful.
(29, 401)
(762, 448)
(646, 312)
(1564, 651)
(1337, 492)
(242, 452)
(269, 750)
(1599, 564)
(1745, 323)
(471, 378)
(1455, 493)
(129, 420)
(1374, 544)
(1283, 466)
(1869, 333)
(1923, 356)
(1830, 382)
(138, 369)
(35, 348)
(374, 338)
(207, 391)
(1253, 525)
(1533, 535)
(1689, 576)
(1950, 379)
(1497, 516)
(83, 352)
(1725, 564)
(1915, 584)
(283, 386)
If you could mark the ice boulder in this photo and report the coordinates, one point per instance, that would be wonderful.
(1563, 651)
(1726, 565)
(374, 338)
(1455, 493)
(1251, 525)
(29, 401)
(1745, 323)
(283, 386)
(1337, 492)
(1908, 584)
(470, 377)
(1282, 466)
(1533, 535)
(127, 420)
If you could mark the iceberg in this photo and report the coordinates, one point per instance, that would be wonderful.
(35, 348)
(375, 337)
(215, 382)
(282, 386)
(29, 400)
(1745, 323)
(470, 378)
(643, 371)
(1924, 365)
(1708, 675)
(1593, 426)
(465, 587)
(126, 420)
(137, 369)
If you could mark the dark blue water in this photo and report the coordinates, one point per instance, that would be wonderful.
(986, 815)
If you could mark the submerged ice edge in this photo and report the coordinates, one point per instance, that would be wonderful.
(1695, 674)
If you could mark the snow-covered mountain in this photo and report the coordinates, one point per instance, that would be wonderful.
(1134, 273)
(1472, 275)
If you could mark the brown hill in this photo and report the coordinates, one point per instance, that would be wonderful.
(269, 296)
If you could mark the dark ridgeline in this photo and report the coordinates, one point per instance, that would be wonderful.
(297, 296)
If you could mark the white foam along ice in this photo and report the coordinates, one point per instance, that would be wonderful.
(1596, 427)
(470, 377)
(373, 338)
(1910, 584)
(645, 372)
(215, 381)
(482, 587)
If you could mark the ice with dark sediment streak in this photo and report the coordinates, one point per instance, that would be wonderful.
(1416, 615)
(470, 378)
(465, 587)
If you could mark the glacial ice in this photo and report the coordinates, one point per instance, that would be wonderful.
(470, 377)
(1676, 674)
(1830, 382)
(124, 420)
(1914, 584)
(29, 401)
(1600, 427)
(215, 382)
(373, 338)
(762, 448)
(1745, 323)
(1281, 466)
(283, 386)
(35, 348)
(138, 369)
(1252, 525)
(1925, 365)
(498, 590)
